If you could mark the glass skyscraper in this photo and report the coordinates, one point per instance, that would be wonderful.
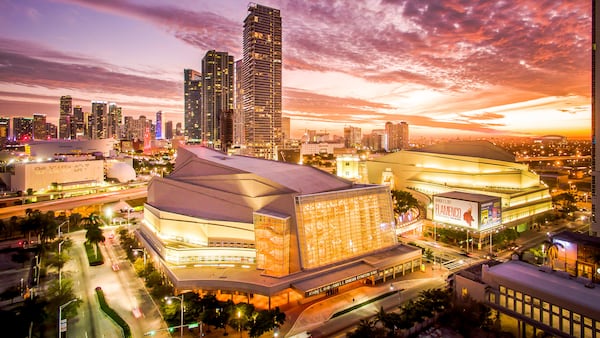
(261, 71)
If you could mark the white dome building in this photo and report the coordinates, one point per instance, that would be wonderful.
(121, 172)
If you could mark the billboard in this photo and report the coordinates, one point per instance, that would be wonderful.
(456, 212)
(491, 215)
(476, 215)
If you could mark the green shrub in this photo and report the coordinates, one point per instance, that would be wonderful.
(112, 314)
(91, 254)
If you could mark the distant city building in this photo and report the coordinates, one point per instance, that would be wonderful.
(64, 119)
(262, 66)
(98, 120)
(238, 102)
(51, 131)
(352, 137)
(217, 96)
(178, 129)
(397, 136)
(4, 131)
(159, 129)
(39, 127)
(114, 123)
(42, 175)
(319, 148)
(169, 130)
(376, 140)
(595, 219)
(192, 91)
(79, 123)
(22, 128)
(286, 129)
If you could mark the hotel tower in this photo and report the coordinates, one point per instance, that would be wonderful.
(261, 71)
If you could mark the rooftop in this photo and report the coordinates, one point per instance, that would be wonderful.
(481, 149)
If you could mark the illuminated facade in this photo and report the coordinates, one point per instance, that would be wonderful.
(261, 81)
(534, 300)
(192, 97)
(217, 96)
(65, 115)
(273, 226)
(467, 167)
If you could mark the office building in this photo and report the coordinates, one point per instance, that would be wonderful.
(270, 231)
(238, 102)
(98, 120)
(169, 130)
(217, 96)
(113, 124)
(79, 123)
(22, 128)
(352, 137)
(192, 91)
(397, 136)
(4, 131)
(159, 128)
(533, 300)
(64, 118)
(39, 127)
(261, 71)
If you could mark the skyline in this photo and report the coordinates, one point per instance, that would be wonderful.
(495, 69)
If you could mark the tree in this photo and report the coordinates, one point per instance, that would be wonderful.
(94, 236)
(403, 201)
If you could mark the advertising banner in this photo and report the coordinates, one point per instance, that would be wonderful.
(456, 212)
(491, 215)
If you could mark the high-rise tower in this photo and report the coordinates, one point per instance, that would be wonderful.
(65, 116)
(39, 127)
(159, 129)
(595, 224)
(192, 87)
(261, 71)
(217, 95)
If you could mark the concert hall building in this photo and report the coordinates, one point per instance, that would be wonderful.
(269, 232)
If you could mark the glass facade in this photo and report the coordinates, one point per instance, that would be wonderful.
(272, 244)
(562, 319)
(335, 226)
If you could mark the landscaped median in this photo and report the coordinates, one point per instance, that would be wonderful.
(91, 254)
(112, 314)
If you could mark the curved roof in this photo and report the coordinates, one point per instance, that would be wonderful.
(198, 161)
(481, 149)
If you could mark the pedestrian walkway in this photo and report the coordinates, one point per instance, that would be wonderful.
(319, 313)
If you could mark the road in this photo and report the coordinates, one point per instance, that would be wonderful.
(74, 202)
(123, 291)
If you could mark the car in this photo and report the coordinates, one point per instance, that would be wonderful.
(116, 267)
(111, 235)
(137, 312)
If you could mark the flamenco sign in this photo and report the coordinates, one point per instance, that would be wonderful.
(456, 212)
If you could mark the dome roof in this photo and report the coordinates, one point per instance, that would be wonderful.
(121, 172)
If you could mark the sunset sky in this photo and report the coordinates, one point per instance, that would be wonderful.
(448, 68)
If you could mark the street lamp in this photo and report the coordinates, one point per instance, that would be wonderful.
(61, 224)
(168, 299)
(60, 315)
(59, 270)
(143, 250)
(239, 314)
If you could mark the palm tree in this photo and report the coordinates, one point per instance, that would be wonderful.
(403, 201)
(94, 236)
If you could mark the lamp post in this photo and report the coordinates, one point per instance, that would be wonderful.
(60, 314)
(168, 298)
(59, 270)
(239, 314)
(143, 250)
(491, 250)
(59, 230)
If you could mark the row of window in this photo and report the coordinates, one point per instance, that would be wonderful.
(562, 319)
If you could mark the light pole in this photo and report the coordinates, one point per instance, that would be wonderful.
(61, 224)
(59, 263)
(239, 314)
(168, 298)
(491, 251)
(60, 315)
(143, 250)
